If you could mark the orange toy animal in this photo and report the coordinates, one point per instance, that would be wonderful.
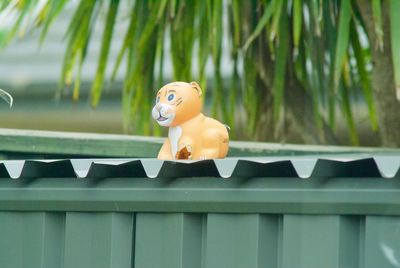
(191, 134)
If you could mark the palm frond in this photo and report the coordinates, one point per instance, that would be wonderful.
(275, 46)
(103, 57)
(395, 42)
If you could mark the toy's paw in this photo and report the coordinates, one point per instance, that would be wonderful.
(184, 153)
(203, 157)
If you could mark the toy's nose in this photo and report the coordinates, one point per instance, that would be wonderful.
(162, 109)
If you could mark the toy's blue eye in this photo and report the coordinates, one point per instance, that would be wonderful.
(171, 97)
(158, 99)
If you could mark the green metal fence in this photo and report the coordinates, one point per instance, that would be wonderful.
(345, 213)
(199, 222)
(76, 239)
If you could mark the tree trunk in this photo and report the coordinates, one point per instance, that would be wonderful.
(388, 107)
(298, 118)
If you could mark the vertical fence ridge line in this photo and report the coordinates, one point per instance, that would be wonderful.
(241, 240)
(133, 240)
(121, 249)
(53, 239)
(192, 240)
(349, 241)
(279, 254)
(30, 239)
(361, 249)
(268, 240)
(168, 240)
(98, 240)
(204, 240)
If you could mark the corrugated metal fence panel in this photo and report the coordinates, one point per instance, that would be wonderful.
(98, 240)
(168, 240)
(320, 241)
(31, 239)
(178, 240)
(248, 240)
(233, 213)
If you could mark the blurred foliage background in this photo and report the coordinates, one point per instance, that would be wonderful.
(296, 67)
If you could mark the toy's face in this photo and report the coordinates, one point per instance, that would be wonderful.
(176, 103)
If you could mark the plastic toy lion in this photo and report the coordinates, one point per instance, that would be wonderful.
(191, 134)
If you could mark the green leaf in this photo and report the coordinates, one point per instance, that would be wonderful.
(315, 8)
(269, 11)
(4, 4)
(297, 21)
(216, 32)
(129, 37)
(78, 39)
(341, 45)
(234, 92)
(103, 57)
(54, 9)
(156, 11)
(346, 71)
(172, 8)
(138, 94)
(80, 14)
(236, 28)
(42, 14)
(204, 47)
(160, 51)
(216, 44)
(282, 50)
(366, 86)
(182, 41)
(279, 6)
(24, 8)
(346, 109)
(329, 34)
(316, 48)
(342, 41)
(395, 42)
(250, 98)
(77, 83)
(161, 10)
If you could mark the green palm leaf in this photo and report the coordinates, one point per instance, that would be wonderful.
(395, 42)
(272, 7)
(314, 46)
(297, 22)
(282, 51)
(342, 41)
(103, 57)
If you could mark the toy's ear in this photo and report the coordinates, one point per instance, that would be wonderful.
(197, 87)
